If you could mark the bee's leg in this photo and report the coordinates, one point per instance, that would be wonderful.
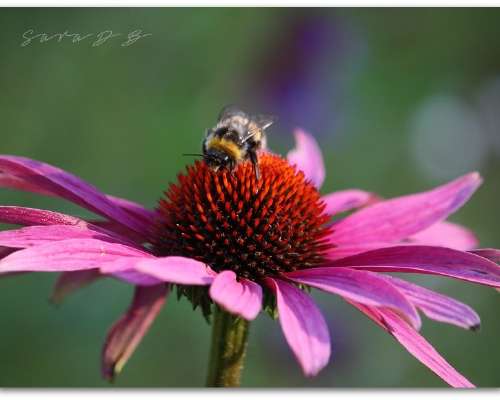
(231, 171)
(230, 168)
(255, 163)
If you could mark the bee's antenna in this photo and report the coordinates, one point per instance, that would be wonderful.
(193, 154)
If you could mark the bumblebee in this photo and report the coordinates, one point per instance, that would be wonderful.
(235, 138)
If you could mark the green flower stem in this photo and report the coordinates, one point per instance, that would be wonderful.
(229, 342)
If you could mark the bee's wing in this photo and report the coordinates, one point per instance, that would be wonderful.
(259, 123)
(230, 111)
(264, 121)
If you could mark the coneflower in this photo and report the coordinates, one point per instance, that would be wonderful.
(234, 246)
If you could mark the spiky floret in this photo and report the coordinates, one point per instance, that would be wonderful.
(232, 221)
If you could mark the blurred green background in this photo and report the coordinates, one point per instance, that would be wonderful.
(400, 99)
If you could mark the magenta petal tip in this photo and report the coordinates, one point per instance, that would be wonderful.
(303, 326)
(308, 158)
(243, 298)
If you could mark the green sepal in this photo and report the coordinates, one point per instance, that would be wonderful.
(198, 297)
(269, 304)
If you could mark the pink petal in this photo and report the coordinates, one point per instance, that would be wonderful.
(437, 306)
(67, 255)
(345, 200)
(490, 254)
(342, 251)
(35, 176)
(308, 158)
(126, 334)
(360, 286)
(303, 325)
(38, 235)
(33, 216)
(134, 209)
(70, 282)
(117, 229)
(396, 219)
(13, 182)
(124, 269)
(416, 345)
(36, 217)
(5, 251)
(426, 260)
(136, 278)
(446, 234)
(180, 270)
(243, 298)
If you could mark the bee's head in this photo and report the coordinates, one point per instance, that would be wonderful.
(216, 159)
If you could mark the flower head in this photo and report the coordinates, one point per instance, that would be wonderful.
(249, 244)
(234, 222)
